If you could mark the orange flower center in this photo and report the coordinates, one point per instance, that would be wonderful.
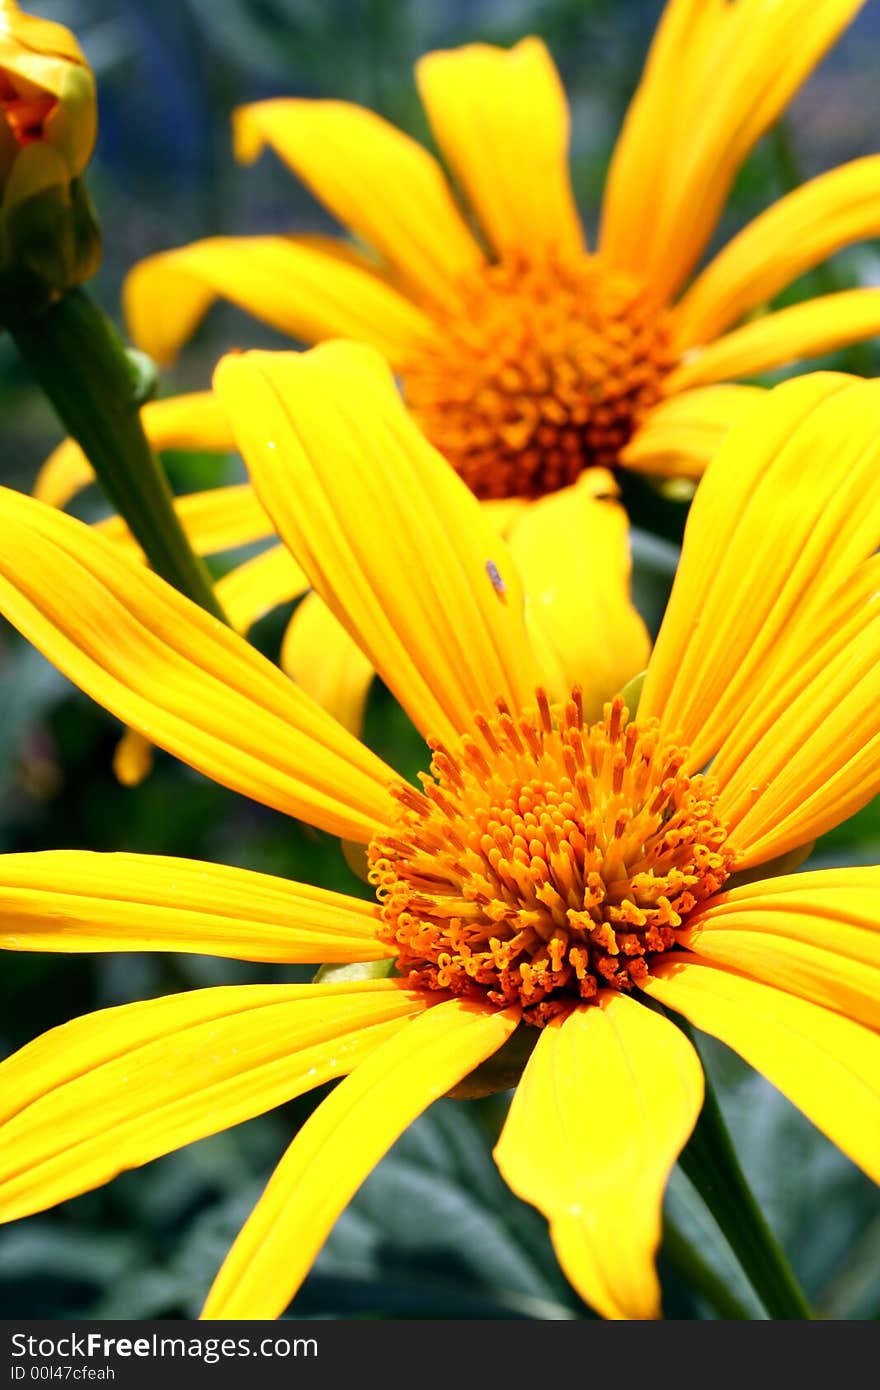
(539, 370)
(25, 111)
(545, 858)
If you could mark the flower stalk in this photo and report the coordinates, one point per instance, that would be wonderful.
(96, 389)
(710, 1161)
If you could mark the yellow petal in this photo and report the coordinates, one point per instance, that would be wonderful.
(115, 1089)
(132, 759)
(804, 330)
(285, 282)
(813, 934)
(683, 433)
(192, 421)
(500, 117)
(389, 536)
(572, 553)
(65, 473)
(805, 754)
(793, 236)
(73, 900)
(606, 1103)
(377, 181)
(505, 512)
(254, 588)
(338, 1146)
(221, 518)
(719, 75)
(326, 663)
(180, 677)
(827, 1065)
(787, 510)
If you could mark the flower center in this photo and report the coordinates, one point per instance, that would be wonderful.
(546, 858)
(24, 107)
(540, 370)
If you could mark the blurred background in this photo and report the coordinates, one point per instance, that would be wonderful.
(434, 1232)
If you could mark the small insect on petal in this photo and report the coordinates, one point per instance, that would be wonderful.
(498, 583)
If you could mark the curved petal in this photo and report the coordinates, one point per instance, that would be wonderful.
(286, 282)
(787, 510)
(718, 76)
(389, 536)
(804, 330)
(500, 118)
(73, 900)
(338, 1146)
(326, 663)
(180, 677)
(683, 433)
(193, 421)
(65, 473)
(115, 1089)
(791, 237)
(572, 553)
(827, 1065)
(218, 519)
(806, 754)
(813, 934)
(254, 588)
(606, 1103)
(377, 181)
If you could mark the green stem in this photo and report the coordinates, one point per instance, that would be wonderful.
(711, 1164)
(76, 356)
(697, 1274)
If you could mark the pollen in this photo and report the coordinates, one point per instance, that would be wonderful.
(540, 369)
(545, 858)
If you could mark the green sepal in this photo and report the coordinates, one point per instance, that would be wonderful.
(632, 692)
(50, 240)
(502, 1070)
(354, 971)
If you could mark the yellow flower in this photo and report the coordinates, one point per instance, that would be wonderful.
(526, 356)
(576, 539)
(552, 868)
(48, 123)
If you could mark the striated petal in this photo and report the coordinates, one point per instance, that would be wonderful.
(338, 1146)
(216, 520)
(804, 330)
(192, 421)
(73, 900)
(827, 1065)
(682, 434)
(572, 553)
(378, 182)
(180, 677)
(791, 237)
(251, 590)
(813, 934)
(787, 511)
(805, 754)
(158, 1075)
(717, 77)
(287, 282)
(500, 118)
(606, 1104)
(390, 537)
(327, 663)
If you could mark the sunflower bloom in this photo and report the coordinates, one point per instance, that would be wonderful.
(527, 357)
(553, 873)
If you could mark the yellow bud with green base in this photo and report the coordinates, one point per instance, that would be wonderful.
(49, 238)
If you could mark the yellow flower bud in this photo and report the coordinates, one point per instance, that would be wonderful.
(49, 240)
